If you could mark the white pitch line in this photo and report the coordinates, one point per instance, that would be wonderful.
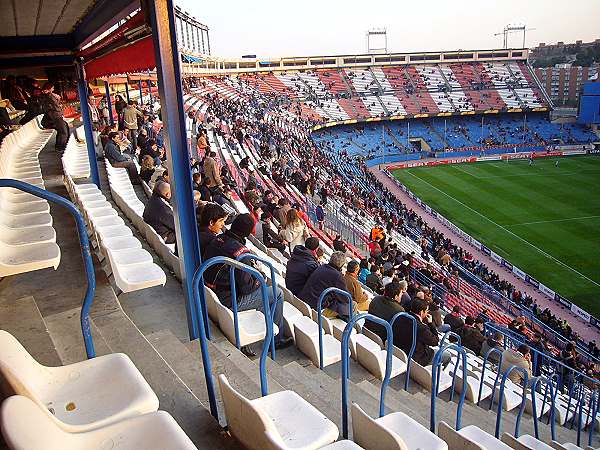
(547, 255)
(551, 221)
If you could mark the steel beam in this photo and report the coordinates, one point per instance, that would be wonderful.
(162, 20)
(87, 124)
(109, 104)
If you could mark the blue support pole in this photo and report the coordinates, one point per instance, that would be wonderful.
(162, 21)
(127, 89)
(109, 104)
(87, 124)
(141, 92)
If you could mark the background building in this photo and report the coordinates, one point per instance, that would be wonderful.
(564, 82)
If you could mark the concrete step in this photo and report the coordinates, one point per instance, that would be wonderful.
(22, 318)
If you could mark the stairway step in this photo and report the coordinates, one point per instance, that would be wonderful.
(21, 318)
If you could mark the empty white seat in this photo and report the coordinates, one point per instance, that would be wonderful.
(16, 259)
(470, 437)
(278, 421)
(26, 425)
(342, 445)
(307, 341)
(524, 442)
(251, 325)
(129, 278)
(290, 315)
(395, 431)
(81, 396)
(373, 358)
(30, 235)
(130, 256)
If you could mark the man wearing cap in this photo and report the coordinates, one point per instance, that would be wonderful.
(232, 244)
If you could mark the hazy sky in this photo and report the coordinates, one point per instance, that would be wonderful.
(315, 27)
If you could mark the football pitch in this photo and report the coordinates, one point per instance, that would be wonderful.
(545, 219)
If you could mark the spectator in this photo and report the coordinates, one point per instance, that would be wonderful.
(130, 122)
(454, 320)
(210, 224)
(320, 214)
(471, 336)
(113, 153)
(249, 296)
(388, 276)
(159, 214)
(353, 286)
(326, 276)
(202, 144)
(521, 357)
(374, 281)
(280, 213)
(147, 169)
(404, 297)
(339, 245)
(364, 271)
(436, 315)
(540, 348)
(494, 341)
(53, 116)
(120, 105)
(269, 237)
(518, 326)
(295, 231)
(211, 171)
(426, 335)
(302, 263)
(385, 307)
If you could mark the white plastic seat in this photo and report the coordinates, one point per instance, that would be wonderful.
(82, 396)
(566, 446)
(16, 259)
(373, 358)
(131, 278)
(524, 442)
(471, 437)
(290, 315)
(153, 431)
(251, 325)
(342, 445)
(538, 404)
(24, 236)
(113, 231)
(130, 256)
(395, 431)
(473, 384)
(120, 243)
(26, 220)
(422, 375)
(278, 421)
(307, 341)
(512, 395)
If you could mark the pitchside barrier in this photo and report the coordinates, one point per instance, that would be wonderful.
(550, 151)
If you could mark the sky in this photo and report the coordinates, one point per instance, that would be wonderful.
(317, 27)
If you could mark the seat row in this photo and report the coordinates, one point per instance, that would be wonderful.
(27, 238)
(82, 405)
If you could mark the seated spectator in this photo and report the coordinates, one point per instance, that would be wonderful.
(159, 214)
(436, 314)
(280, 213)
(353, 286)
(388, 276)
(471, 335)
(404, 297)
(427, 335)
(521, 357)
(454, 320)
(364, 271)
(518, 326)
(491, 342)
(326, 276)
(339, 245)
(210, 224)
(269, 237)
(302, 263)
(537, 343)
(147, 169)
(231, 244)
(385, 307)
(113, 153)
(295, 231)
(196, 182)
(374, 281)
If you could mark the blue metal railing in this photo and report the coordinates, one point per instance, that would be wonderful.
(435, 371)
(485, 360)
(320, 315)
(200, 302)
(414, 342)
(346, 362)
(501, 398)
(549, 389)
(86, 254)
(594, 411)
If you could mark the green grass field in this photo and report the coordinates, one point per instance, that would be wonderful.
(544, 219)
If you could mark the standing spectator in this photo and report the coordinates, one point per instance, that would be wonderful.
(202, 144)
(320, 213)
(353, 286)
(295, 231)
(130, 122)
(53, 116)
(539, 346)
(211, 171)
(339, 245)
(280, 213)
(120, 105)
(302, 263)
(385, 307)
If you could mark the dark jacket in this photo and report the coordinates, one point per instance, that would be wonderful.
(385, 308)
(299, 267)
(426, 338)
(324, 277)
(159, 216)
(374, 282)
(455, 322)
(471, 338)
(206, 237)
(112, 152)
(217, 277)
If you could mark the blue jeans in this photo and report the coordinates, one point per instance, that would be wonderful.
(254, 301)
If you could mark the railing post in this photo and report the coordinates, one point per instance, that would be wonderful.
(320, 315)
(414, 342)
(109, 104)
(501, 398)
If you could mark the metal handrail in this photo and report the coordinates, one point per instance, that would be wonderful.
(485, 360)
(414, 342)
(435, 370)
(200, 302)
(86, 254)
(549, 387)
(501, 398)
(253, 257)
(346, 359)
(320, 315)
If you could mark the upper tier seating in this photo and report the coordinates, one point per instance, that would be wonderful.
(27, 239)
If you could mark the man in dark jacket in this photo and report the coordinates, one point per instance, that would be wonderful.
(374, 280)
(232, 244)
(211, 222)
(326, 276)
(301, 265)
(471, 336)
(158, 213)
(454, 320)
(53, 116)
(426, 334)
(269, 237)
(385, 307)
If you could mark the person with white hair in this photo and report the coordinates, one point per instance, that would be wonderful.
(326, 276)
